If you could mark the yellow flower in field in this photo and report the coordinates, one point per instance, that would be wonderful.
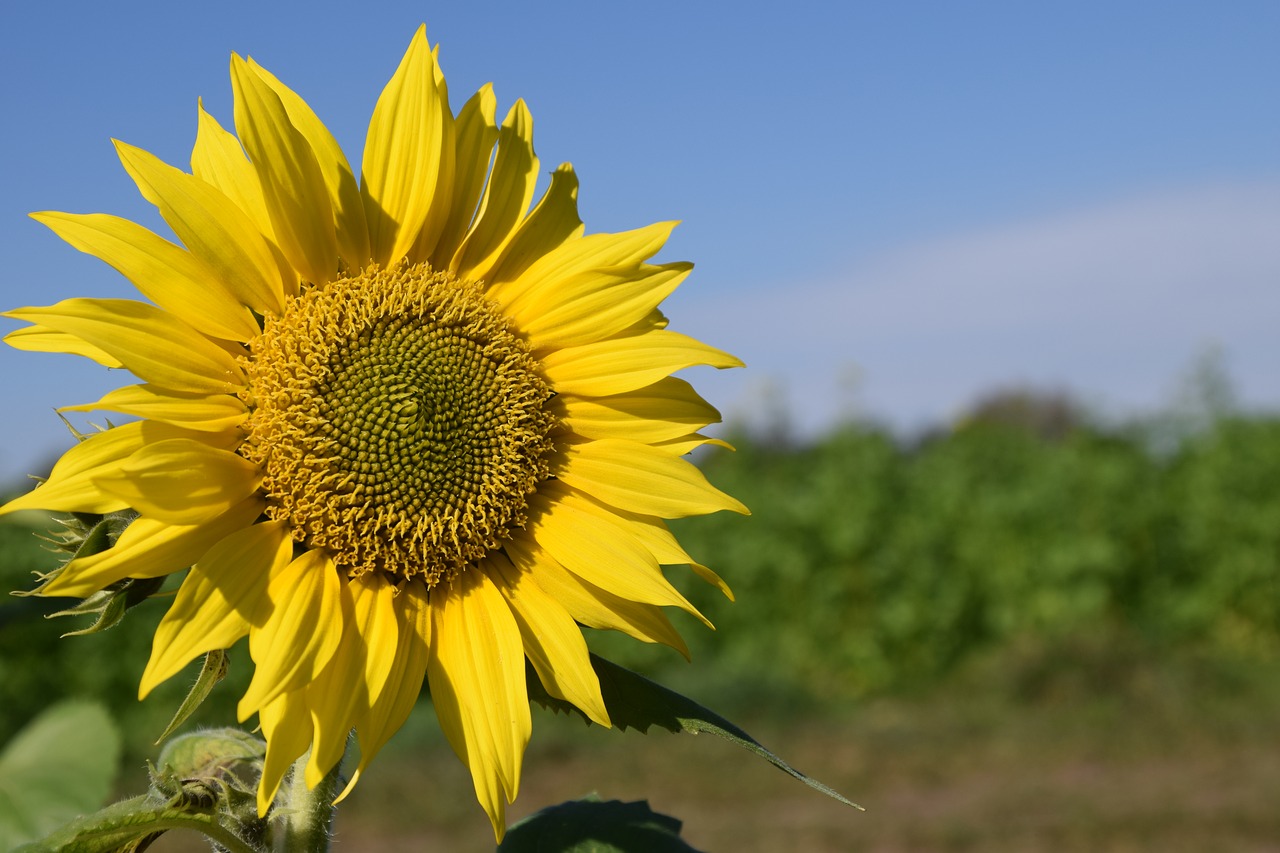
(400, 428)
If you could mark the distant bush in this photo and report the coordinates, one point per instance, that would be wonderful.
(868, 566)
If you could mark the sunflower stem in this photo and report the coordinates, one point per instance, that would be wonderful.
(307, 812)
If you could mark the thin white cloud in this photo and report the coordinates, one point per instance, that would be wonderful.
(1111, 302)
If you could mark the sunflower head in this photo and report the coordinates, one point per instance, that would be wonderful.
(399, 421)
(415, 427)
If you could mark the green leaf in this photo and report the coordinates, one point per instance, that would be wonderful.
(213, 671)
(60, 766)
(635, 702)
(591, 826)
(132, 825)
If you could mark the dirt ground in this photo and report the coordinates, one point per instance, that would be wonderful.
(934, 775)
(1095, 753)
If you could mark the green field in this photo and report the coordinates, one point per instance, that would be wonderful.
(1000, 637)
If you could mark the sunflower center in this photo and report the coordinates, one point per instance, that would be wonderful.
(398, 421)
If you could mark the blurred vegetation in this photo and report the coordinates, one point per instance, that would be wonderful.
(869, 567)
(1026, 532)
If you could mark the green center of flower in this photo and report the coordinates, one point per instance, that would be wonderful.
(398, 421)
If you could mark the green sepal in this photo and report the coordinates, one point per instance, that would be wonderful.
(592, 826)
(82, 535)
(96, 538)
(635, 702)
(111, 603)
(214, 670)
(86, 534)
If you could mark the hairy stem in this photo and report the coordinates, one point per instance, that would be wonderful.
(306, 813)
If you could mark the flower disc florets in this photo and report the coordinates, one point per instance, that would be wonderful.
(398, 421)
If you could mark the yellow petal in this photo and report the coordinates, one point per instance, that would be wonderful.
(286, 722)
(218, 160)
(155, 345)
(475, 132)
(506, 198)
(168, 275)
(669, 408)
(655, 535)
(295, 630)
(344, 191)
(658, 539)
(397, 620)
(211, 412)
(394, 680)
(374, 602)
(407, 174)
(593, 306)
(712, 579)
(591, 605)
(181, 480)
(641, 479)
(340, 695)
(552, 222)
(624, 364)
(686, 444)
(476, 672)
(150, 548)
(552, 640)
(70, 486)
(40, 339)
(656, 320)
(592, 545)
(593, 253)
(212, 227)
(292, 183)
(213, 605)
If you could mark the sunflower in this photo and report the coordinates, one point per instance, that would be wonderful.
(409, 427)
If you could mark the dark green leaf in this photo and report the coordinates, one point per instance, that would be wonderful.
(635, 702)
(59, 766)
(591, 826)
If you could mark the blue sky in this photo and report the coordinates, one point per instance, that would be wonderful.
(892, 206)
